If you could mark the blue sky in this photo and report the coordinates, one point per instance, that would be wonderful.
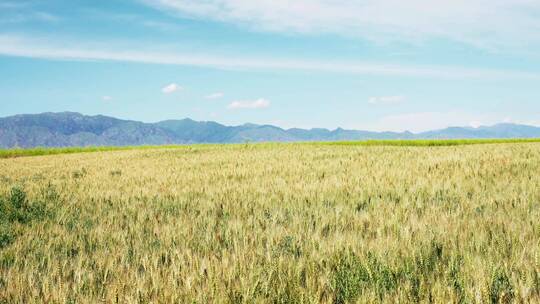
(359, 64)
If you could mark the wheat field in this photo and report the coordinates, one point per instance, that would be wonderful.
(273, 223)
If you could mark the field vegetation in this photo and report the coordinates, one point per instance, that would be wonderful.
(17, 152)
(273, 223)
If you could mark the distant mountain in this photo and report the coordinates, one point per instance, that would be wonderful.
(74, 129)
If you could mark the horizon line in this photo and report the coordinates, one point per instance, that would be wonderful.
(281, 128)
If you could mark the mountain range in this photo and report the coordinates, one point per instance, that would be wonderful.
(68, 129)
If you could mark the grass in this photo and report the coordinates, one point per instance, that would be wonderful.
(273, 223)
(40, 151)
(433, 142)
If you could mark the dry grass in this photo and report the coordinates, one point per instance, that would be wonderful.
(289, 223)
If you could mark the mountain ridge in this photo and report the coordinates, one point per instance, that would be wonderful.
(68, 129)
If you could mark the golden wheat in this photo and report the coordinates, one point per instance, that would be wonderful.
(290, 223)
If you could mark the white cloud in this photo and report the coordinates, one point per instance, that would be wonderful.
(251, 104)
(475, 124)
(529, 122)
(532, 123)
(215, 95)
(106, 98)
(171, 88)
(49, 48)
(482, 23)
(386, 100)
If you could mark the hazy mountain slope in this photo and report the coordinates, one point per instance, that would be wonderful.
(74, 129)
(190, 131)
(264, 133)
(505, 130)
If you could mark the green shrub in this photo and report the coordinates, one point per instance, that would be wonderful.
(349, 277)
(501, 289)
(7, 236)
(383, 278)
(352, 275)
(17, 197)
(4, 211)
(15, 208)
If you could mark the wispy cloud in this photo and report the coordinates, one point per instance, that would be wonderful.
(44, 16)
(386, 100)
(28, 17)
(171, 88)
(215, 95)
(260, 103)
(106, 98)
(482, 23)
(49, 48)
(132, 19)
